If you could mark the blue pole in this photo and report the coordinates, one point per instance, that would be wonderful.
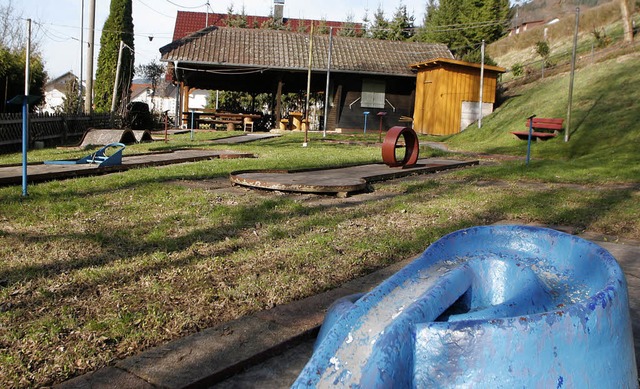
(529, 137)
(25, 138)
(365, 121)
(192, 113)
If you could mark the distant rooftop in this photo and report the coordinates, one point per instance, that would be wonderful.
(190, 22)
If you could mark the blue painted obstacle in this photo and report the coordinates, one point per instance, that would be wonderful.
(497, 307)
(100, 157)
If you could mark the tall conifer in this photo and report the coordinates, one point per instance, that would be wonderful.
(118, 27)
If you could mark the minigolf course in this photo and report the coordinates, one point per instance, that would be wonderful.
(101, 136)
(352, 179)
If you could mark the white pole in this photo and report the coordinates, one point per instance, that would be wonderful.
(88, 101)
(81, 54)
(306, 112)
(481, 85)
(326, 90)
(573, 70)
(117, 80)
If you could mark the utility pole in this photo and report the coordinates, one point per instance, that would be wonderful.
(117, 80)
(573, 70)
(306, 128)
(80, 105)
(481, 86)
(326, 90)
(88, 102)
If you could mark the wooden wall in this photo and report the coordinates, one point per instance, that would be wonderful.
(440, 91)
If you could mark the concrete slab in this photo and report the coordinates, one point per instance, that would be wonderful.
(251, 137)
(106, 378)
(342, 180)
(12, 175)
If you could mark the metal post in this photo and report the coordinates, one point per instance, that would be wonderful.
(193, 112)
(366, 113)
(481, 86)
(25, 111)
(326, 90)
(306, 111)
(529, 138)
(80, 105)
(117, 80)
(573, 70)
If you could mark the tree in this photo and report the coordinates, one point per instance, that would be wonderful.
(401, 26)
(348, 27)
(71, 102)
(152, 72)
(464, 24)
(118, 27)
(379, 26)
(236, 20)
(13, 43)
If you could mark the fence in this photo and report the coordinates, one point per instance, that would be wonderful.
(52, 130)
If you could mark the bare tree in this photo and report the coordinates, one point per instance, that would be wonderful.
(153, 72)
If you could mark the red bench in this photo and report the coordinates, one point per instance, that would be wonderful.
(543, 128)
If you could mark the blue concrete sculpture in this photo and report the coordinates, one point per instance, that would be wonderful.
(496, 307)
(109, 155)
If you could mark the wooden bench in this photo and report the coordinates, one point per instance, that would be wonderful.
(543, 128)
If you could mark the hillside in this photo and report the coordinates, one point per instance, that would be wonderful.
(605, 125)
(599, 27)
(549, 9)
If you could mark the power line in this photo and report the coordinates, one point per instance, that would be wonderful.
(186, 7)
(154, 10)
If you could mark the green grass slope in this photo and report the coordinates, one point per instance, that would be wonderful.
(604, 143)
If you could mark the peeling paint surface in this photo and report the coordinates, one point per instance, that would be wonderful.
(495, 306)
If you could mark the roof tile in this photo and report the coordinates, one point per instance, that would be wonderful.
(273, 49)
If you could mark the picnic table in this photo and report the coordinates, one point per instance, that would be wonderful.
(229, 119)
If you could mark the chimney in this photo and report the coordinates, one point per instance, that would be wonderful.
(278, 10)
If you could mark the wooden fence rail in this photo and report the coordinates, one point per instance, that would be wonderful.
(52, 130)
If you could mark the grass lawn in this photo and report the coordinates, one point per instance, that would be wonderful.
(98, 268)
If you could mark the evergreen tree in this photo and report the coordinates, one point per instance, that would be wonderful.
(71, 102)
(463, 24)
(379, 26)
(118, 27)
(349, 27)
(401, 26)
(322, 27)
(236, 20)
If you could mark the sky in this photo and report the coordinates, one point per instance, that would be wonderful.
(56, 24)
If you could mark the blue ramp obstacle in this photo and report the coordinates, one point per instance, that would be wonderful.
(109, 155)
(496, 307)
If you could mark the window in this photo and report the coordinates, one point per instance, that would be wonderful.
(373, 94)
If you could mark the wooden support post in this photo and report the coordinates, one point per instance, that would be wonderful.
(278, 109)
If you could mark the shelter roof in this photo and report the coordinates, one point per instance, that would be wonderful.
(266, 49)
(439, 62)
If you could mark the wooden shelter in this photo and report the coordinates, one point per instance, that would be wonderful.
(366, 75)
(448, 95)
